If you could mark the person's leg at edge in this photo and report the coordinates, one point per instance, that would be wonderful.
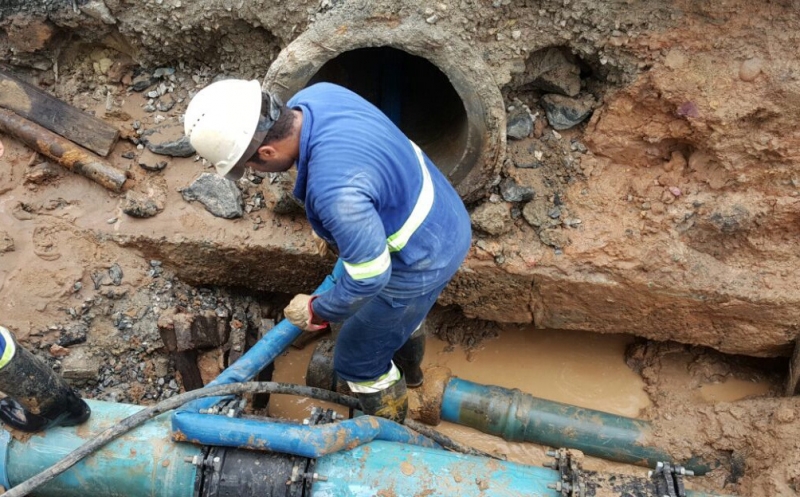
(38, 398)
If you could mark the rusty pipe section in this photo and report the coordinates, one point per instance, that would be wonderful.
(61, 150)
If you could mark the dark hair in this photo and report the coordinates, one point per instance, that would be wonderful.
(282, 127)
(275, 117)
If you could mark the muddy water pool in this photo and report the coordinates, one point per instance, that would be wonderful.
(580, 368)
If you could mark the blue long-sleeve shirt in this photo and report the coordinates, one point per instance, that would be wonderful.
(360, 179)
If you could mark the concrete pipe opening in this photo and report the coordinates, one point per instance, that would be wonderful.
(438, 92)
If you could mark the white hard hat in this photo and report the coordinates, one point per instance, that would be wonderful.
(221, 121)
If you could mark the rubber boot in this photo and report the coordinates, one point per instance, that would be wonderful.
(390, 403)
(409, 357)
(38, 398)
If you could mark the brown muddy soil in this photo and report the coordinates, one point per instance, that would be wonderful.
(676, 211)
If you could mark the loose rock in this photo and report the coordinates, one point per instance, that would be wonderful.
(512, 192)
(750, 69)
(177, 148)
(520, 123)
(220, 196)
(80, 366)
(42, 173)
(565, 112)
(139, 205)
(494, 219)
(555, 238)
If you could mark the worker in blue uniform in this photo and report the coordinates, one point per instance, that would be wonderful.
(37, 398)
(399, 227)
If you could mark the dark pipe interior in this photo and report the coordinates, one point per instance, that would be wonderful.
(414, 93)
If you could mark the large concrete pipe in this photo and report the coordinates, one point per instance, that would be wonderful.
(431, 84)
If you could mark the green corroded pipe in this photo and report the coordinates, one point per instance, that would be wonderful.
(520, 417)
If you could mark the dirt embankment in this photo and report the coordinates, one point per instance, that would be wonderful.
(670, 213)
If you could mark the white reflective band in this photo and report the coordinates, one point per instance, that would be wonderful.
(382, 383)
(399, 239)
(10, 348)
(369, 269)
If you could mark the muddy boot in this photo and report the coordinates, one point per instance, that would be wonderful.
(342, 387)
(390, 403)
(38, 398)
(409, 357)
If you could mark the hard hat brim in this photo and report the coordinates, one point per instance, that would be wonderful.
(236, 166)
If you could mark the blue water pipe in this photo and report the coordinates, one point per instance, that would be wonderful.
(520, 417)
(411, 471)
(291, 438)
(145, 463)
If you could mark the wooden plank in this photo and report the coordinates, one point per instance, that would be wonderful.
(57, 116)
(793, 381)
(186, 364)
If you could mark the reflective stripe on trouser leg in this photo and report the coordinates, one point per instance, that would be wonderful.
(368, 340)
(382, 383)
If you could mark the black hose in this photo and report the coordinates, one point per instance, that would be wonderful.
(148, 413)
(447, 442)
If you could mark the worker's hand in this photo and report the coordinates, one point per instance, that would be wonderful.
(321, 247)
(300, 313)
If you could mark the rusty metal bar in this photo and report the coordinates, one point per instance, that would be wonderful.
(61, 150)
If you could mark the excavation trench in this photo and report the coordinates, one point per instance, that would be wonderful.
(641, 221)
(576, 368)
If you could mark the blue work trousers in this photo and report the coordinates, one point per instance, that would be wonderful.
(369, 338)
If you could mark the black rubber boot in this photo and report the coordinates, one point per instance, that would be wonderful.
(390, 403)
(409, 357)
(38, 398)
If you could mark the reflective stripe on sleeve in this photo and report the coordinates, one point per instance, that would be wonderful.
(399, 239)
(10, 348)
(369, 269)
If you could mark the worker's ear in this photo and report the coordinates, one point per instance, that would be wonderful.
(266, 152)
